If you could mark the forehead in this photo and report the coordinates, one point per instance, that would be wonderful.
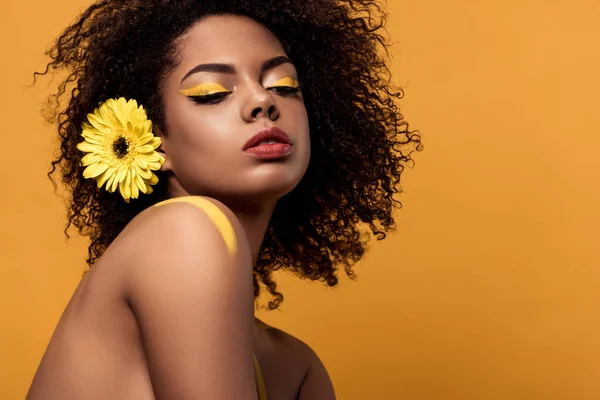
(228, 38)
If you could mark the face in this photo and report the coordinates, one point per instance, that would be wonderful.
(232, 80)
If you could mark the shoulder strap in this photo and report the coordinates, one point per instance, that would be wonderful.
(260, 383)
(214, 213)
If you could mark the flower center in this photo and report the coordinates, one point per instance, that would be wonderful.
(120, 147)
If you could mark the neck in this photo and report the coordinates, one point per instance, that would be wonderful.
(255, 224)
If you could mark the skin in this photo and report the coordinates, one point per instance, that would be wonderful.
(168, 311)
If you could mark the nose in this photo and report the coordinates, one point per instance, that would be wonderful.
(260, 104)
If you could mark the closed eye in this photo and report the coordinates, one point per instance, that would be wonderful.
(206, 93)
(213, 98)
(285, 90)
(287, 87)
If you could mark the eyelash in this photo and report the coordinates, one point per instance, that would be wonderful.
(218, 97)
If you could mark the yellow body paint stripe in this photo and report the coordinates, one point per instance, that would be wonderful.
(215, 214)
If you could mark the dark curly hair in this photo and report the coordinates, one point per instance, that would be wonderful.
(360, 141)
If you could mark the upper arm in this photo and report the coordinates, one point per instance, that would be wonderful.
(194, 305)
(317, 384)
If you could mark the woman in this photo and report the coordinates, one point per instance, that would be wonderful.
(207, 144)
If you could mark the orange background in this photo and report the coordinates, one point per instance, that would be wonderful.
(490, 287)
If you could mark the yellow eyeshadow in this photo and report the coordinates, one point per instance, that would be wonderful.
(287, 81)
(204, 89)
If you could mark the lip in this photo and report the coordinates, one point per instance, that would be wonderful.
(276, 134)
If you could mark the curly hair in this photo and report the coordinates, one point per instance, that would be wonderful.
(360, 141)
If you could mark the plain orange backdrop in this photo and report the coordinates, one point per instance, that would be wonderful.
(489, 289)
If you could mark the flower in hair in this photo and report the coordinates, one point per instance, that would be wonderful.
(121, 148)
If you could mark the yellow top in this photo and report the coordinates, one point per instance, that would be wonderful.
(226, 229)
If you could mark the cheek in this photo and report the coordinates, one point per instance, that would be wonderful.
(200, 130)
(305, 126)
(303, 130)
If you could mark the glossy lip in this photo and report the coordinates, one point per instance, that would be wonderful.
(276, 134)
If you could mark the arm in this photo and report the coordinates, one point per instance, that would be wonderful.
(317, 384)
(193, 302)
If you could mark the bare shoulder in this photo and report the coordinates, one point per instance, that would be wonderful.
(192, 297)
(182, 242)
(181, 214)
(176, 227)
(316, 384)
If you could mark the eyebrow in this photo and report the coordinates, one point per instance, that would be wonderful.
(230, 69)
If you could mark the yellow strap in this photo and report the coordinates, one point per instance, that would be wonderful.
(214, 213)
(260, 383)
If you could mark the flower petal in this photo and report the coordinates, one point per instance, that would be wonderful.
(125, 190)
(151, 157)
(135, 191)
(94, 170)
(102, 179)
(88, 147)
(128, 181)
(145, 173)
(114, 184)
(91, 158)
(154, 166)
(103, 112)
(121, 174)
(143, 126)
(98, 123)
(153, 180)
(147, 148)
(93, 136)
(141, 162)
(139, 182)
(130, 127)
(156, 141)
(109, 182)
(146, 138)
(120, 110)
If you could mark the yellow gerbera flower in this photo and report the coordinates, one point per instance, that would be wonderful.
(121, 148)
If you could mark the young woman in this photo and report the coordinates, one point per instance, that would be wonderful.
(206, 144)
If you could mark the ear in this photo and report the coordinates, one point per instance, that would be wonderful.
(161, 150)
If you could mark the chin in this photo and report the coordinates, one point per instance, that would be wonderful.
(270, 182)
(274, 188)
